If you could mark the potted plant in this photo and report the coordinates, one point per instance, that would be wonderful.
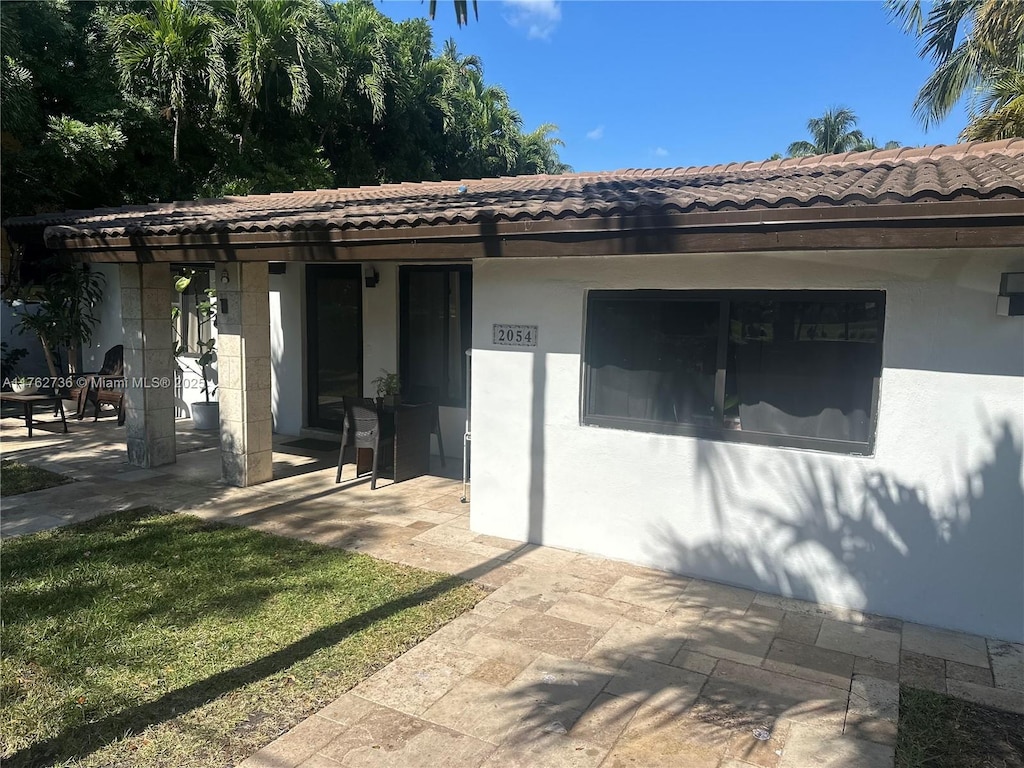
(24, 386)
(205, 415)
(388, 387)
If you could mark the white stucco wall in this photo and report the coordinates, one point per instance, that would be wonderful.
(287, 350)
(108, 332)
(930, 528)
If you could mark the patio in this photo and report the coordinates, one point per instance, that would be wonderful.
(571, 660)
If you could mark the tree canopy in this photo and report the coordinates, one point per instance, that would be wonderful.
(977, 47)
(111, 103)
(833, 133)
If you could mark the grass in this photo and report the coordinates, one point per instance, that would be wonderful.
(16, 478)
(143, 638)
(938, 731)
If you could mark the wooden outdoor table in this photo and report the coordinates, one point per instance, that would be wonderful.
(29, 401)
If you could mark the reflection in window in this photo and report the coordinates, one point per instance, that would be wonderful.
(783, 367)
(435, 315)
(193, 327)
(654, 360)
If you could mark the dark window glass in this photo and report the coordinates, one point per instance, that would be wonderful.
(654, 360)
(793, 368)
(435, 314)
(334, 328)
(803, 368)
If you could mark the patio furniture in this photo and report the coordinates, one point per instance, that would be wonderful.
(396, 436)
(102, 387)
(30, 401)
(364, 429)
(422, 395)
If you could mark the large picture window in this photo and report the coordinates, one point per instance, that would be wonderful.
(795, 368)
(436, 328)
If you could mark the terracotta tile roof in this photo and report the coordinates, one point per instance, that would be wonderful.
(879, 177)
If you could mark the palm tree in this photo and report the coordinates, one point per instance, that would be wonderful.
(978, 50)
(832, 133)
(494, 125)
(278, 44)
(538, 152)
(180, 46)
(1000, 114)
(482, 127)
(365, 52)
(461, 11)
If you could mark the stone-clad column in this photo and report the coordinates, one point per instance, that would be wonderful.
(148, 363)
(243, 371)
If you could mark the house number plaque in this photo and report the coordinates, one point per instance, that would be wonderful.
(515, 335)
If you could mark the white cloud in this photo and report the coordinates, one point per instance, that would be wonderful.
(597, 133)
(538, 17)
(660, 152)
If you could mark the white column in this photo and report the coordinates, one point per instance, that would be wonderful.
(148, 363)
(243, 370)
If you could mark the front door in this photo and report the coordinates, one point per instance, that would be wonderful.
(334, 337)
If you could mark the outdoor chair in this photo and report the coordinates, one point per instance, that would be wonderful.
(102, 387)
(364, 428)
(428, 396)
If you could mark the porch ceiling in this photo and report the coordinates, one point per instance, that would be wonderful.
(969, 195)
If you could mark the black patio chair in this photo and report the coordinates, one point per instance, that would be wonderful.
(426, 395)
(364, 427)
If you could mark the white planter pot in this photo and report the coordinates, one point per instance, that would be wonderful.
(206, 415)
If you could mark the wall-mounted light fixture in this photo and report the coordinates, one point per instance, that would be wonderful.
(371, 275)
(1011, 295)
(224, 277)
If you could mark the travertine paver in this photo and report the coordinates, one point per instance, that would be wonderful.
(572, 660)
(656, 738)
(859, 640)
(873, 710)
(944, 644)
(810, 662)
(672, 689)
(1007, 664)
(757, 698)
(821, 748)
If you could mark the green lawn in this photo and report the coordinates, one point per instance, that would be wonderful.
(18, 478)
(155, 639)
(937, 731)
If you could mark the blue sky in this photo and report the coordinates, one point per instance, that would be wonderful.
(655, 84)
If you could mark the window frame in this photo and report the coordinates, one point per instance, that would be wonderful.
(466, 324)
(722, 433)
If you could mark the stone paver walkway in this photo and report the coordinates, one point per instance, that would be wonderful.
(571, 660)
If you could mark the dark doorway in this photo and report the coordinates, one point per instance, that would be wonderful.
(435, 316)
(334, 334)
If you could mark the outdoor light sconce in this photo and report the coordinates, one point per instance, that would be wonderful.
(1011, 295)
(224, 277)
(371, 276)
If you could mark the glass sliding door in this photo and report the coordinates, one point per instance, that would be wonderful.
(334, 337)
(435, 330)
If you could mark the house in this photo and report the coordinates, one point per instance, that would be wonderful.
(802, 376)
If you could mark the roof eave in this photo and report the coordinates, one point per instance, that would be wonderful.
(1002, 220)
